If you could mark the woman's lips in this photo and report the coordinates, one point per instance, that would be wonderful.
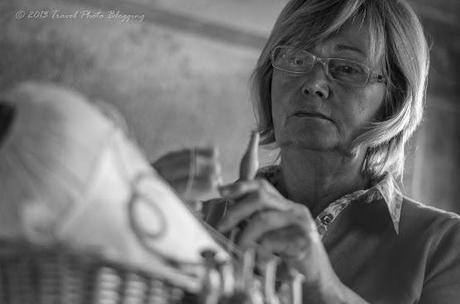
(312, 115)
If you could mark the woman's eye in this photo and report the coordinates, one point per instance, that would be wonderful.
(347, 69)
(294, 60)
(298, 61)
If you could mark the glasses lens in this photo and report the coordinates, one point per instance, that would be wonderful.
(348, 71)
(292, 60)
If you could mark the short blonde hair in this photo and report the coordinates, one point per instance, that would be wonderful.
(396, 38)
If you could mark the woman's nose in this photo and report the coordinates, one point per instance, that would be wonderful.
(316, 83)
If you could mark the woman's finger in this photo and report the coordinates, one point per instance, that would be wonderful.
(242, 187)
(291, 245)
(238, 189)
(246, 206)
(261, 224)
(288, 241)
(276, 223)
(250, 197)
(277, 220)
(239, 212)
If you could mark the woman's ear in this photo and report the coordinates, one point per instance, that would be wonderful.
(7, 113)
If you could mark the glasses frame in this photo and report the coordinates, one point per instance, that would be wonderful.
(324, 61)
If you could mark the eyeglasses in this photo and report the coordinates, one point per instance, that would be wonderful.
(297, 61)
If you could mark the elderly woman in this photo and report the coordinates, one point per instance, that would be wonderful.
(340, 88)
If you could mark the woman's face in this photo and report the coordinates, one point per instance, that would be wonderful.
(312, 111)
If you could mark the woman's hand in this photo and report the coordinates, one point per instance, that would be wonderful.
(275, 225)
(193, 173)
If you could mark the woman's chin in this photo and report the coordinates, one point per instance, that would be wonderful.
(310, 143)
(312, 139)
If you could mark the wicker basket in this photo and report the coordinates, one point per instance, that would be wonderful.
(34, 275)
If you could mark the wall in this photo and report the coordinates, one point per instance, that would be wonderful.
(433, 171)
(175, 89)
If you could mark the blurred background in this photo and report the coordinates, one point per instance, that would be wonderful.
(178, 72)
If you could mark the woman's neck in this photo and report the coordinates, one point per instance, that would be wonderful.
(317, 178)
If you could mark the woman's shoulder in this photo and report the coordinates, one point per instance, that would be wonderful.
(419, 217)
(435, 235)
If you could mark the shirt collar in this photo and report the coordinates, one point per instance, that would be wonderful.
(385, 189)
(392, 196)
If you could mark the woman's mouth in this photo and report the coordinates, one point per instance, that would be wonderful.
(311, 115)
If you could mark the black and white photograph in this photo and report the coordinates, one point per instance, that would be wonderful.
(229, 152)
